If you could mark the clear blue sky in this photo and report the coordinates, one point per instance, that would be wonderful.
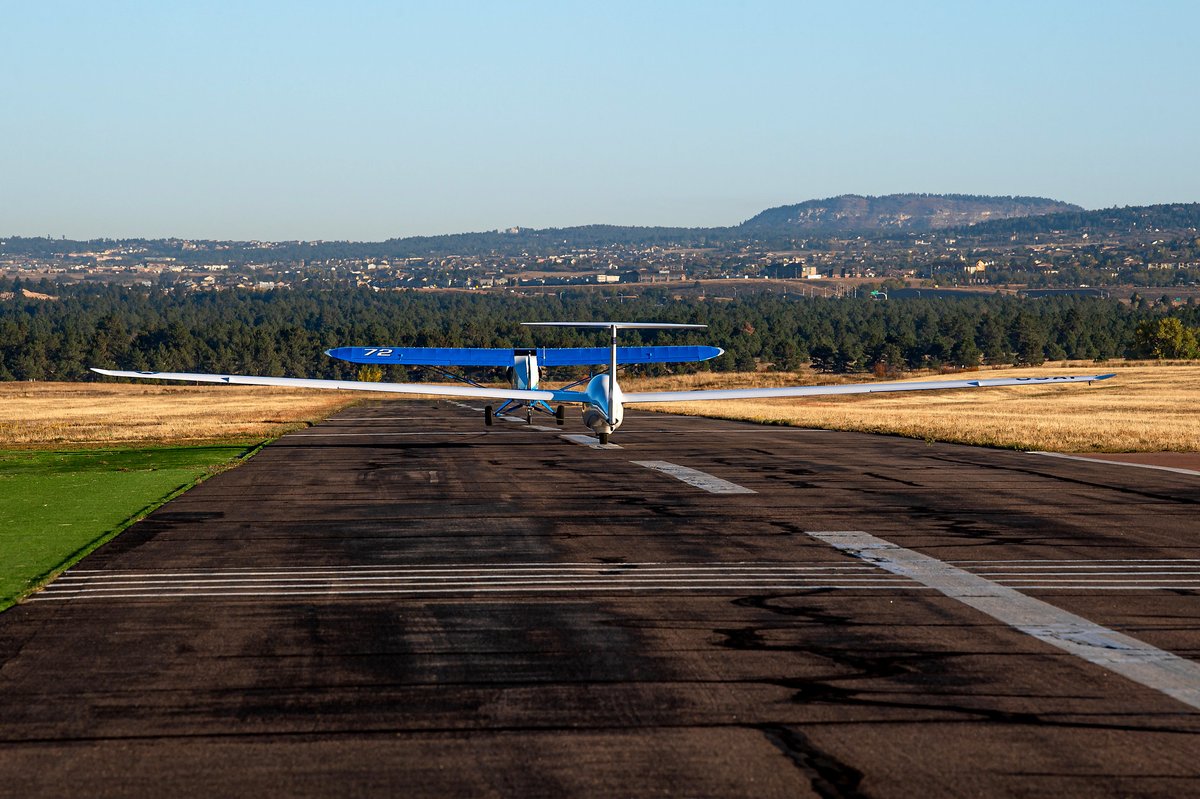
(356, 120)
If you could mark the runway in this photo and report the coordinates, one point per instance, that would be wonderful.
(401, 601)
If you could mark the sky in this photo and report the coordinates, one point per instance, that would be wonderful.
(366, 121)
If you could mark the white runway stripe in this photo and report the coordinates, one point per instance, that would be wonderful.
(588, 441)
(1140, 662)
(1116, 463)
(568, 564)
(442, 571)
(695, 477)
(465, 405)
(467, 580)
(1131, 575)
(486, 590)
(1084, 561)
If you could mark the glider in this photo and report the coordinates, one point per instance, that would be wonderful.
(602, 399)
(523, 364)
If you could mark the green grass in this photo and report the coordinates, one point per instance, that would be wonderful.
(56, 507)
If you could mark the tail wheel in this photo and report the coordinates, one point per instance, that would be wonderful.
(487, 415)
(560, 415)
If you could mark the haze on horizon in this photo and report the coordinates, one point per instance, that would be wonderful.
(366, 121)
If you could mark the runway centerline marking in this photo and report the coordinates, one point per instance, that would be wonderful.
(1136, 660)
(695, 477)
(1175, 469)
(588, 441)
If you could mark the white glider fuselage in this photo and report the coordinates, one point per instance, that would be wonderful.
(604, 409)
(606, 406)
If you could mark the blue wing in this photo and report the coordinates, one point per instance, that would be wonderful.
(547, 356)
(424, 356)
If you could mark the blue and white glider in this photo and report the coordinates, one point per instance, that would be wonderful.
(602, 399)
(524, 364)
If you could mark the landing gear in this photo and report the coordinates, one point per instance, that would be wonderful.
(528, 414)
(487, 415)
(560, 415)
(603, 437)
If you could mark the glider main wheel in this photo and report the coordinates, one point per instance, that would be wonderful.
(487, 415)
(560, 415)
(603, 437)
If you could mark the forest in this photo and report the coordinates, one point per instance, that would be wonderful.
(285, 332)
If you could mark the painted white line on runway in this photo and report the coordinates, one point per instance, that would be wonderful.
(1138, 661)
(1116, 463)
(695, 477)
(465, 405)
(873, 575)
(526, 566)
(485, 568)
(588, 441)
(1107, 588)
(1088, 561)
(543, 428)
(1076, 574)
(122, 578)
(741, 577)
(1043, 565)
(369, 582)
(42, 597)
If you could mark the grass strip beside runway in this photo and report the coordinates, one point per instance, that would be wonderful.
(56, 507)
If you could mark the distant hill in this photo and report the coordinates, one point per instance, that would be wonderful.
(852, 213)
(897, 215)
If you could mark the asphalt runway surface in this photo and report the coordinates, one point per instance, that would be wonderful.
(400, 601)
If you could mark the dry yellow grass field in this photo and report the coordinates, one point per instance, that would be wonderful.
(1145, 408)
(42, 415)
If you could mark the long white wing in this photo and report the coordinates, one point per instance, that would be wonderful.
(350, 385)
(852, 388)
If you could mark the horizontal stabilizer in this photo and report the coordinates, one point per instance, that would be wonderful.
(619, 325)
(584, 356)
(547, 356)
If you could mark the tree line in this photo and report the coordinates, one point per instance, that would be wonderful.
(286, 332)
